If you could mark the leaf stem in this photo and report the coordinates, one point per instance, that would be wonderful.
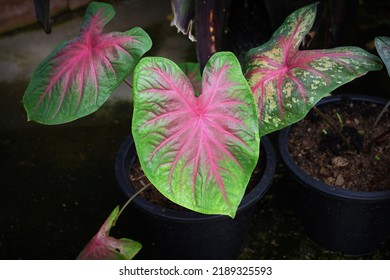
(130, 200)
(381, 113)
(335, 129)
(128, 83)
(377, 139)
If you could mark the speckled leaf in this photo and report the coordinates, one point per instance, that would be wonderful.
(104, 247)
(198, 151)
(79, 75)
(288, 82)
(382, 45)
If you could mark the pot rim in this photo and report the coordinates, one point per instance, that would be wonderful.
(318, 185)
(124, 159)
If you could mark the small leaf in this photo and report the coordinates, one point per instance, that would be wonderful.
(382, 45)
(198, 151)
(79, 75)
(287, 82)
(104, 247)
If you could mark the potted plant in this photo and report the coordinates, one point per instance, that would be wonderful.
(173, 232)
(343, 191)
(196, 133)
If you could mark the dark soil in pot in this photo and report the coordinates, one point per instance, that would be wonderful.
(169, 232)
(342, 195)
(319, 151)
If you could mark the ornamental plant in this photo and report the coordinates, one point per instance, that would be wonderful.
(382, 45)
(197, 135)
(78, 76)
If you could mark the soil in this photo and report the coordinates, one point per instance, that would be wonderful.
(319, 151)
(139, 180)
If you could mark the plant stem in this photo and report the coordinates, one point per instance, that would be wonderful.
(130, 200)
(128, 83)
(379, 138)
(335, 129)
(381, 113)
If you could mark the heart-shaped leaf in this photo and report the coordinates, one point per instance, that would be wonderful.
(79, 75)
(287, 82)
(104, 247)
(198, 151)
(382, 45)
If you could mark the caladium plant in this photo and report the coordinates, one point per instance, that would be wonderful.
(199, 151)
(74, 81)
(79, 75)
(288, 82)
(103, 246)
(173, 138)
(197, 136)
(382, 45)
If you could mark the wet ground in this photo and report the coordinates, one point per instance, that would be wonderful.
(58, 183)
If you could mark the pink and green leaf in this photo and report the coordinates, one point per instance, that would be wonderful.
(78, 76)
(192, 71)
(382, 45)
(104, 247)
(198, 151)
(287, 82)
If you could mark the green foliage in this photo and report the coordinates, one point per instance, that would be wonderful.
(382, 45)
(288, 82)
(104, 247)
(199, 150)
(78, 76)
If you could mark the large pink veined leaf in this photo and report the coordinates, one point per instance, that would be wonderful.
(104, 247)
(287, 82)
(198, 151)
(79, 75)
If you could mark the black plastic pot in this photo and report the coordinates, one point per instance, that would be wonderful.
(352, 222)
(190, 235)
